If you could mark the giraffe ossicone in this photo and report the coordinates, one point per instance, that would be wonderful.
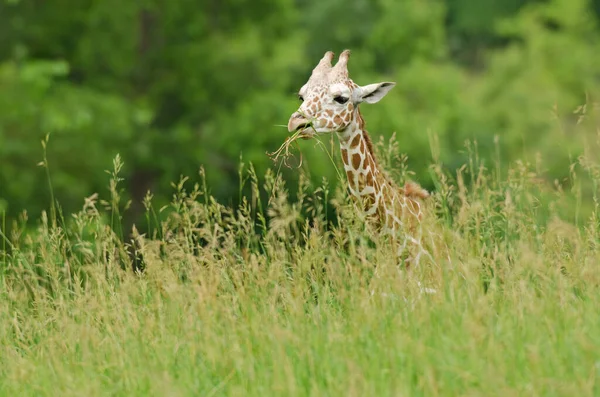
(330, 103)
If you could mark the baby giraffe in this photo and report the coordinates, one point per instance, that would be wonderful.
(330, 103)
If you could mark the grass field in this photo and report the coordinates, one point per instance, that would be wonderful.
(259, 300)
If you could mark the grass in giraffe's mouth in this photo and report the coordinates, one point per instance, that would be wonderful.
(284, 149)
(307, 133)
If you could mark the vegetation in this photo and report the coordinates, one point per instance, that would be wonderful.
(252, 278)
(174, 86)
(300, 306)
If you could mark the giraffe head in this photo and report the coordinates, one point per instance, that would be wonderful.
(330, 98)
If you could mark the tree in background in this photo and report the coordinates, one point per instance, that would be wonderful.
(171, 86)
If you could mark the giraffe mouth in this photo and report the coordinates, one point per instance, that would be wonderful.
(305, 131)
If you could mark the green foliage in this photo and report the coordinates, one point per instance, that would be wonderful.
(243, 287)
(302, 307)
(37, 100)
(172, 87)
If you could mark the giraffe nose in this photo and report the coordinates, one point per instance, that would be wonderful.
(297, 122)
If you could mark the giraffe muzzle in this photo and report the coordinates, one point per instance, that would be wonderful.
(300, 123)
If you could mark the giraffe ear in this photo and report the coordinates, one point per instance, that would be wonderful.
(372, 93)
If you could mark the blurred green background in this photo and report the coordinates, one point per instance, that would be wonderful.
(173, 85)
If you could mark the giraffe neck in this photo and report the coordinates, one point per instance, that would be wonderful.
(366, 180)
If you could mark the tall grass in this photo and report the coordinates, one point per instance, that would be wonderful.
(271, 297)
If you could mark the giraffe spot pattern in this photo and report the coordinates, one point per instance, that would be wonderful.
(356, 161)
(347, 118)
(350, 176)
(345, 156)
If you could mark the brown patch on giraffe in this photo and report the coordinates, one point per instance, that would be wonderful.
(360, 121)
(362, 146)
(345, 156)
(355, 141)
(350, 176)
(313, 108)
(369, 146)
(356, 160)
(350, 107)
(370, 178)
(337, 119)
(329, 113)
(347, 118)
(369, 162)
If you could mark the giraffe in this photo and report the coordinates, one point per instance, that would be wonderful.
(330, 103)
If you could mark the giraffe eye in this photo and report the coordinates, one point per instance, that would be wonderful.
(340, 99)
(301, 98)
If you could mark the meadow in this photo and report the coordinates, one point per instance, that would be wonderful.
(271, 296)
(246, 277)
